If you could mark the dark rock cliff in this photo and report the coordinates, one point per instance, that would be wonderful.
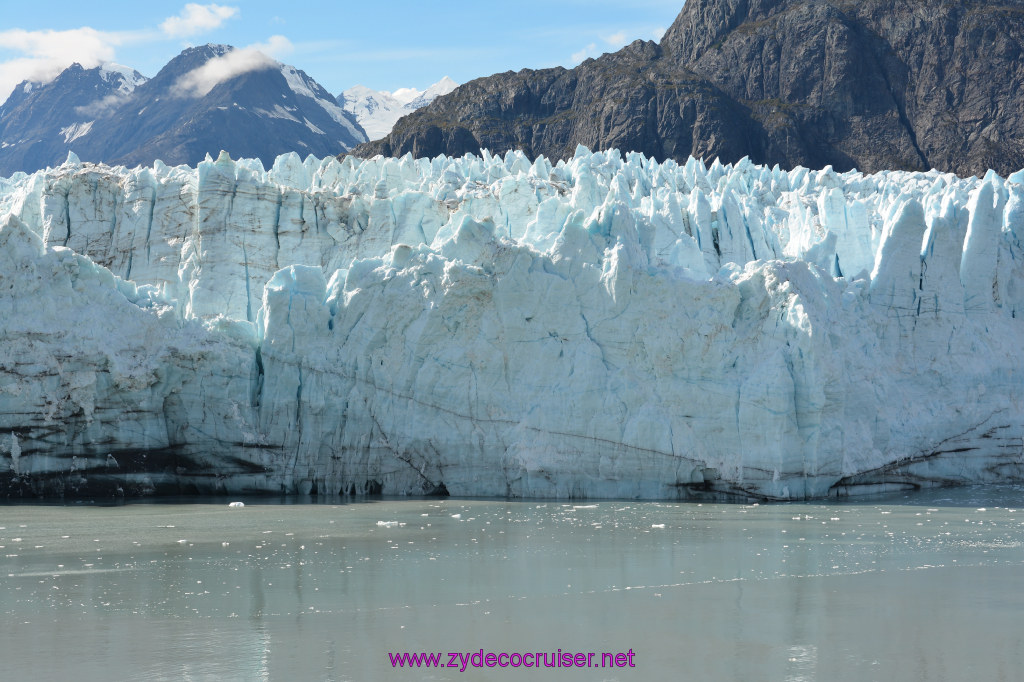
(871, 84)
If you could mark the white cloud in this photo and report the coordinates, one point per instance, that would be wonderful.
(589, 51)
(616, 39)
(610, 42)
(406, 95)
(197, 19)
(199, 82)
(46, 53)
(102, 106)
(40, 56)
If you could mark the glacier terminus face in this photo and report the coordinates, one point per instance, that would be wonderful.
(605, 327)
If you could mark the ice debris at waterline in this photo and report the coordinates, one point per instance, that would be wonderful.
(605, 327)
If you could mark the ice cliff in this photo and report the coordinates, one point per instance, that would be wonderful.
(603, 327)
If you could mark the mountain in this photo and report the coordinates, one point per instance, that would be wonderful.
(487, 326)
(871, 84)
(206, 99)
(378, 110)
(41, 122)
(416, 99)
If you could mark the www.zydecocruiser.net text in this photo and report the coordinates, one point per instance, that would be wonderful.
(463, 660)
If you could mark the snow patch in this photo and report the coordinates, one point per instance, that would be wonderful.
(278, 112)
(76, 130)
(312, 127)
(129, 78)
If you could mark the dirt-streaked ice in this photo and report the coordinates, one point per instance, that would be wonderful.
(606, 327)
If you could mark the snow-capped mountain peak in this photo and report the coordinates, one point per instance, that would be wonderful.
(442, 87)
(208, 98)
(129, 77)
(378, 110)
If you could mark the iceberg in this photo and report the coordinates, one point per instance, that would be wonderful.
(610, 326)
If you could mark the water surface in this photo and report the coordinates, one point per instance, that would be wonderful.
(922, 587)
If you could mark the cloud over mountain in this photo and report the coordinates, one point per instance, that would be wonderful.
(197, 18)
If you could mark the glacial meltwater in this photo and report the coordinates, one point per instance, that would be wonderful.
(927, 586)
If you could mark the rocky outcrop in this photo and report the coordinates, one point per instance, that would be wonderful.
(911, 84)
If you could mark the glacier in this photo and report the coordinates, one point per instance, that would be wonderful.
(611, 326)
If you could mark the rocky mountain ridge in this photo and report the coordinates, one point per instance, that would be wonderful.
(911, 84)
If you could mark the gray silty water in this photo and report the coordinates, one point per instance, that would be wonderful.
(924, 587)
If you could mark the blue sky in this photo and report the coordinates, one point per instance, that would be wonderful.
(383, 45)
